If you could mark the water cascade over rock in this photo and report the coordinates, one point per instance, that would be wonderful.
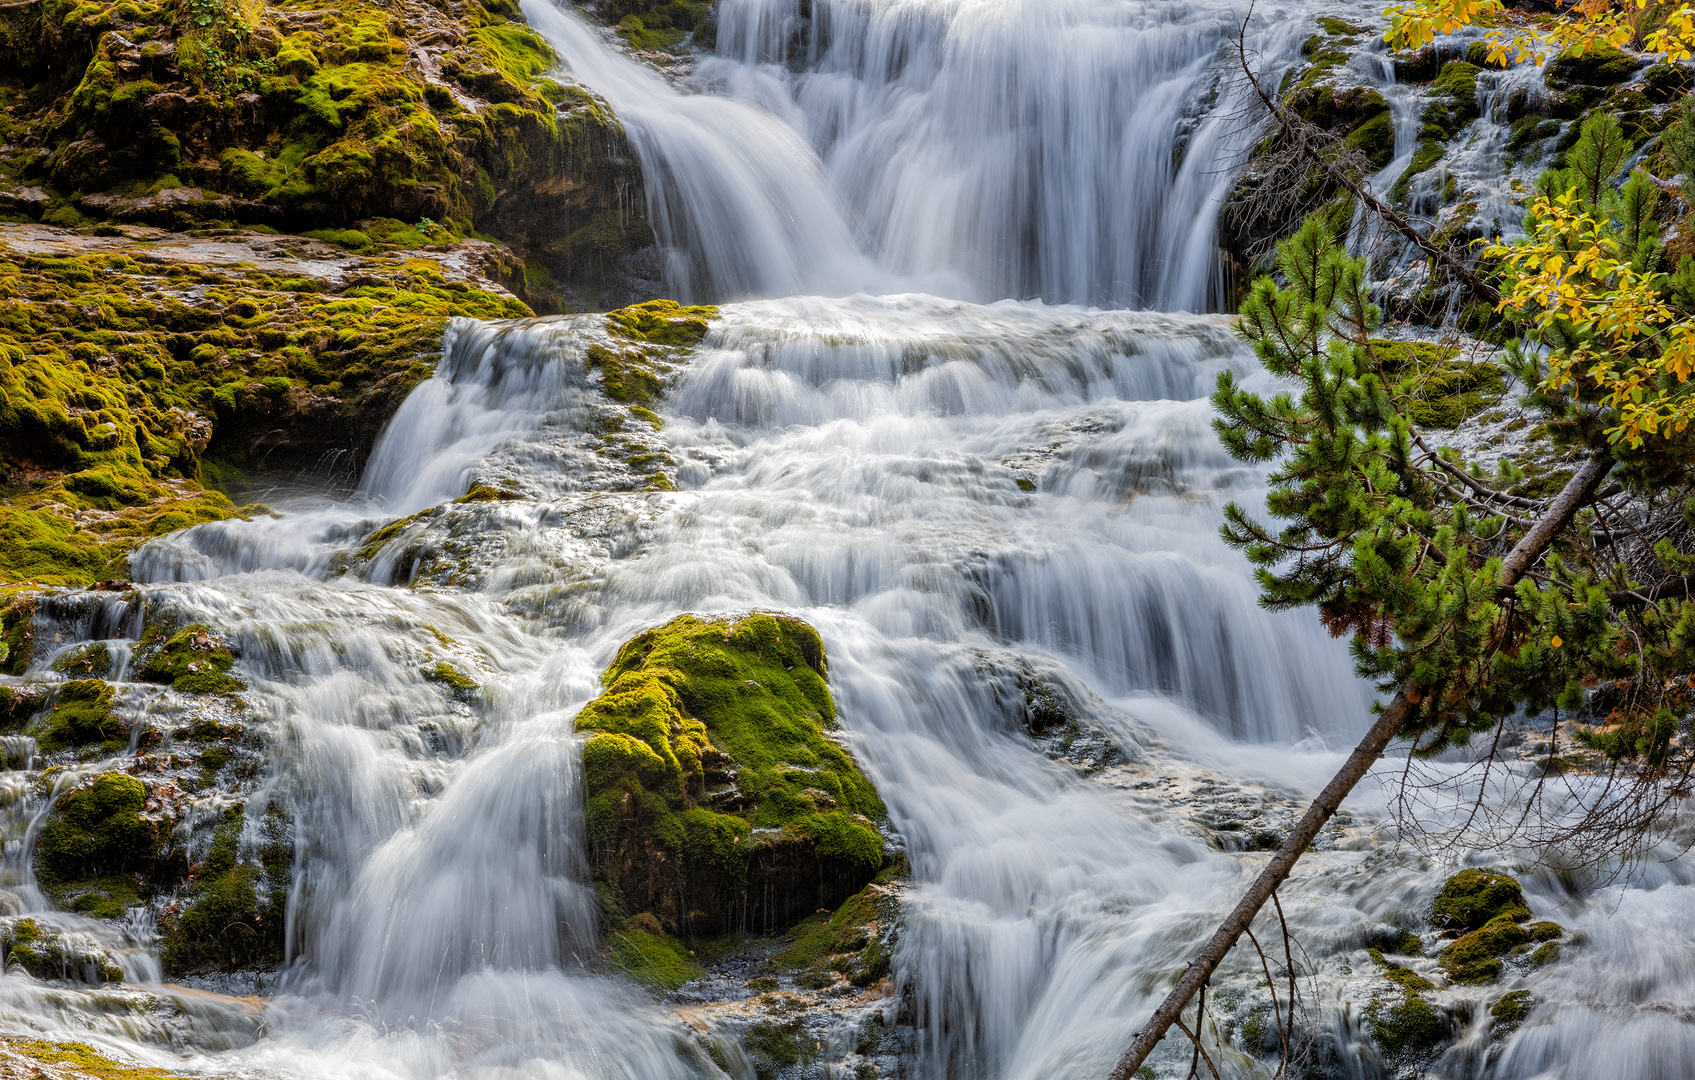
(396, 759)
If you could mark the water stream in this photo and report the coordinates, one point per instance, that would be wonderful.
(953, 490)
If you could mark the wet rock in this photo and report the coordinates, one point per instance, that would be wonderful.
(1600, 66)
(747, 697)
(27, 201)
(1486, 909)
(46, 953)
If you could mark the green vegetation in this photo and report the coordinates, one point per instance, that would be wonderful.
(852, 941)
(98, 853)
(451, 677)
(710, 782)
(81, 716)
(1405, 1027)
(120, 370)
(1509, 1012)
(235, 914)
(645, 953)
(190, 660)
(84, 1059)
(1472, 899)
(1441, 390)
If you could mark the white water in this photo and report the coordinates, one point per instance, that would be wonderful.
(1075, 151)
(856, 461)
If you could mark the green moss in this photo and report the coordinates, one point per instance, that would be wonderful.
(1472, 899)
(1601, 66)
(1475, 958)
(662, 322)
(1410, 1026)
(84, 1059)
(1428, 153)
(775, 1046)
(116, 371)
(1452, 102)
(81, 716)
(1403, 977)
(648, 415)
(852, 940)
(1509, 1012)
(1546, 953)
(485, 493)
(17, 631)
(93, 659)
(234, 917)
(708, 754)
(1375, 139)
(96, 832)
(191, 660)
(452, 678)
(1439, 389)
(654, 959)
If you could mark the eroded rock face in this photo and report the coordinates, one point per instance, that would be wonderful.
(716, 799)
(144, 353)
(301, 120)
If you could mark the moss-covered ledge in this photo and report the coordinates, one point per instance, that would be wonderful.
(716, 798)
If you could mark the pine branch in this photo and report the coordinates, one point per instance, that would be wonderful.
(1578, 490)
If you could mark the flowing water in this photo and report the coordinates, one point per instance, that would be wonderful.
(956, 493)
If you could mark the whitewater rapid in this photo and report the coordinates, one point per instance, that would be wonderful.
(957, 492)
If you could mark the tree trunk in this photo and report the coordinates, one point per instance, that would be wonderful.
(1576, 492)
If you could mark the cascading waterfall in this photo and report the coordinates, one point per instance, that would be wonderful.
(1071, 151)
(950, 491)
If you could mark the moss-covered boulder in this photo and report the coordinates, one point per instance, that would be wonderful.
(1599, 66)
(190, 660)
(430, 120)
(1472, 899)
(100, 852)
(716, 798)
(1452, 103)
(1486, 909)
(80, 717)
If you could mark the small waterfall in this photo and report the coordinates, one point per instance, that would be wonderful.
(1071, 151)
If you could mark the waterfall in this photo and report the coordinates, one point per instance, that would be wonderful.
(909, 430)
(1066, 150)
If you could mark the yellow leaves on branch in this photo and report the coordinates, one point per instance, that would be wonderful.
(1583, 26)
(1637, 354)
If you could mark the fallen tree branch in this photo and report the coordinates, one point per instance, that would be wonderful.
(1577, 491)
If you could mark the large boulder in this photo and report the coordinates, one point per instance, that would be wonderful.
(717, 799)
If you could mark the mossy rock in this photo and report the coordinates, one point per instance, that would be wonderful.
(1375, 139)
(1599, 66)
(1664, 83)
(191, 660)
(1490, 906)
(1403, 977)
(97, 846)
(1474, 898)
(1409, 1026)
(854, 942)
(78, 1060)
(1426, 154)
(47, 955)
(17, 631)
(123, 370)
(81, 717)
(235, 912)
(1439, 389)
(1453, 101)
(1509, 1011)
(716, 801)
